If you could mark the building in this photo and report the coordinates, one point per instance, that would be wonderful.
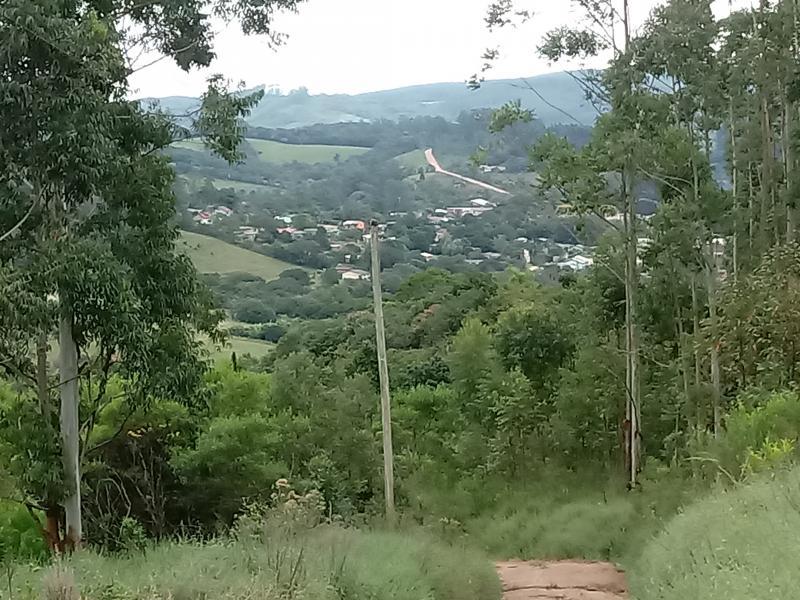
(481, 203)
(355, 275)
(223, 211)
(462, 211)
(204, 218)
(427, 256)
(354, 224)
(577, 263)
(492, 169)
(247, 233)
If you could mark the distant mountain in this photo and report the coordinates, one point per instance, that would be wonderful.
(555, 98)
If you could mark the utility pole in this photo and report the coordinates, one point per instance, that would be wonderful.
(383, 374)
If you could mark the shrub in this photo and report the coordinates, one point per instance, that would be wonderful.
(734, 545)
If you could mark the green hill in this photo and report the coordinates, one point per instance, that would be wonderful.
(560, 100)
(281, 153)
(211, 255)
(277, 152)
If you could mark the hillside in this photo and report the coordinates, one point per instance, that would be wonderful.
(300, 109)
(211, 255)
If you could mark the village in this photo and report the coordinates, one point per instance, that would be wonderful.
(347, 239)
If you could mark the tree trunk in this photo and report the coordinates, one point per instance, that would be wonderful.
(42, 384)
(735, 183)
(716, 387)
(70, 440)
(699, 410)
(633, 412)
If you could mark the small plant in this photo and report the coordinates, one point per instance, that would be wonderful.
(771, 455)
(59, 584)
(132, 536)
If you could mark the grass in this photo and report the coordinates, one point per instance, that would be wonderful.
(328, 563)
(195, 144)
(223, 184)
(276, 152)
(412, 160)
(553, 514)
(242, 346)
(734, 545)
(211, 255)
(280, 153)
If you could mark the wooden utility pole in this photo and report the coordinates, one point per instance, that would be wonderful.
(383, 374)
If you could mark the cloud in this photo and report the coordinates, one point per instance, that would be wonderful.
(353, 46)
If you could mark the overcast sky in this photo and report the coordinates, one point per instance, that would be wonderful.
(355, 46)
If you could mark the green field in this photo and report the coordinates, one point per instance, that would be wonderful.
(197, 183)
(412, 160)
(211, 255)
(240, 345)
(195, 144)
(276, 152)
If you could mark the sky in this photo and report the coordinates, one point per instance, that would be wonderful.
(355, 46)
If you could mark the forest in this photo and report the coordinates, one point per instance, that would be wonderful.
(644, 411)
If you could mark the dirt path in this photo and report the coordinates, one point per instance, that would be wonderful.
(562, 580)
(438, 168)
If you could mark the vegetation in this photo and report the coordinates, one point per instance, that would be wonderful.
(726, 546)
(642, 409)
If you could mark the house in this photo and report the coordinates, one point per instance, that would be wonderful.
(436, 219)
(286, 219)
(462, 211)
(247, 233)
(355, 275)
(427, 256)
(286, 230)
(223, 211)
(204, 218)
(355, 224)
(330, 229)
(577, 263)
(481, 203)
(350, 273)
(492, 169)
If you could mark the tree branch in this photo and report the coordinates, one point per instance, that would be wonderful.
(19, 224)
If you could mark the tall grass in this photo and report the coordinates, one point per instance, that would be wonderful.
(735, 545)
(327, 563)
(553, 514)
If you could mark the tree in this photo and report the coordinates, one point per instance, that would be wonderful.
(98, 247)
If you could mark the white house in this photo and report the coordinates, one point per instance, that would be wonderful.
(355, 275)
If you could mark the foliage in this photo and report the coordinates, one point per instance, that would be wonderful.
(736, 544)
(326, 563)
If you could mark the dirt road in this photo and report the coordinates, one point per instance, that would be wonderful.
(562, 580)
(429, 156)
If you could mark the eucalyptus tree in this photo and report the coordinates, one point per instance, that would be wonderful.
(86, 216)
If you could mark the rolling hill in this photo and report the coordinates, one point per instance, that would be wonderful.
(560, 99)
(281, 153)
(211, 255)
(277, 152)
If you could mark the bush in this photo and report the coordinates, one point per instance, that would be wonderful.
(734, 545)
(761, 433)
(325, 563)
(20, 538)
